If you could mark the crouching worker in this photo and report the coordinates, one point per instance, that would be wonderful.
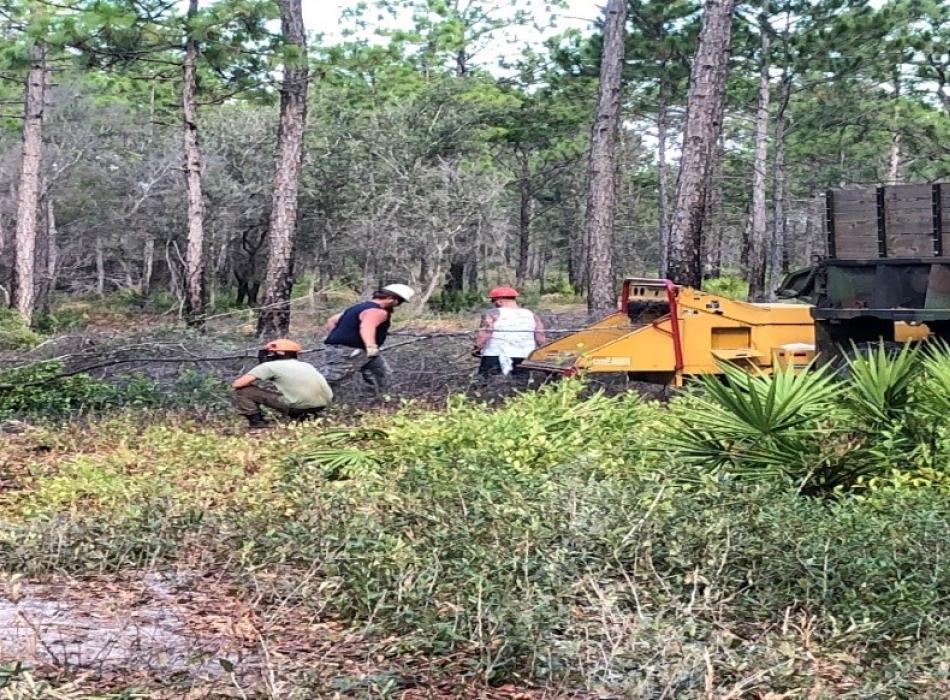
(302, 392)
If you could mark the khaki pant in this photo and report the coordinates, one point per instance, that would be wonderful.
(250, 399)
(339, 362)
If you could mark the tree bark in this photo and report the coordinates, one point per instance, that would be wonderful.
(148, 265)
(602, 168)
(194, 273)
(712, 243)
(776, 252)
(663, 189)
(524, 222)
(100, 268)
(274, 318)
(894, 161)
(471, 271)
(704, 115)
(47, 254)
(757, 233)
(24, 242)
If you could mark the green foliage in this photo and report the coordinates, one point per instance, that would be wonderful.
(454, 301)
(757, 427)
(60, 320)
(14, 333)
(732, 286)
(530, 540)
(822, 432)
(37, 391)
(881, 386)
(75, 393)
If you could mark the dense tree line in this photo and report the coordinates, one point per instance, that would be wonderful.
(138, 142)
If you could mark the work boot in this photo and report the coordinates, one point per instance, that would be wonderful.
(306, 415)
(256, 421)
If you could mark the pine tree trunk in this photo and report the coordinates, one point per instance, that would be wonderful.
(663, 189)
(471, 271)
(704, 113)
(524, 222)
(41, 257)
(24, 242)
(47, 254)
(712, 242)
(776, 251)
(746, 240)
(194, 251)
(602, 169)
(274, 319)
(757, 234)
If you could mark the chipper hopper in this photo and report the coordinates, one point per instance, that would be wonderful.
(663, 333)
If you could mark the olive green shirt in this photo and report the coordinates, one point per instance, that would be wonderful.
(301, 385)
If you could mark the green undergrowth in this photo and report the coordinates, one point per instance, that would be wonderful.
(782, 534)
(45, 391)
(14, 333)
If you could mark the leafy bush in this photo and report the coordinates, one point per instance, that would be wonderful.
(14, 334)
(816, 430)
(732, 286)
(455, 301)
(34, 391)
(61, 320)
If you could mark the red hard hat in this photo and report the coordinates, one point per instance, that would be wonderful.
(503, 293)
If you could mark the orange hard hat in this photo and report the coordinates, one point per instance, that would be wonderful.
(283, 345)
(503, 293)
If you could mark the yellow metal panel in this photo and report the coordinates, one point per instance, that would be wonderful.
(646, 349)
(730, 338)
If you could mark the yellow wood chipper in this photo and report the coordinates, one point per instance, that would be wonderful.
(885, 278)
(664, 333)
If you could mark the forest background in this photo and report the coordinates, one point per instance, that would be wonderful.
(426, 162)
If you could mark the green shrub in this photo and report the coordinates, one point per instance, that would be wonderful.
(50, 396)
(14, 333)
(732, 286)
(61, 320)
(562, 537)
(455, 301)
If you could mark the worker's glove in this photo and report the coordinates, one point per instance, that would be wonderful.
(372, 351)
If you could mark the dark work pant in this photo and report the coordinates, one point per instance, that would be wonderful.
(340, 362)
(250, 399)
(491, 365)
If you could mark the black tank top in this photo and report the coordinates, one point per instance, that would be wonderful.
(347, 331)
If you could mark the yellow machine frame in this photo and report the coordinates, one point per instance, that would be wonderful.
(697, 331)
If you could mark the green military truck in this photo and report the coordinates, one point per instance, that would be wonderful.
(888, 260)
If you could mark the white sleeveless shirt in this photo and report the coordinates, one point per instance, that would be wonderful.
(512, 333)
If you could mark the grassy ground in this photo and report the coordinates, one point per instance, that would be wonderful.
(751, 538)
(558, 546)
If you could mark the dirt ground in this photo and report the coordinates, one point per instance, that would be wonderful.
(431, 357)
(189, 635)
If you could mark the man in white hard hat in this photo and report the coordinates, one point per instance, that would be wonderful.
(355, 336)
